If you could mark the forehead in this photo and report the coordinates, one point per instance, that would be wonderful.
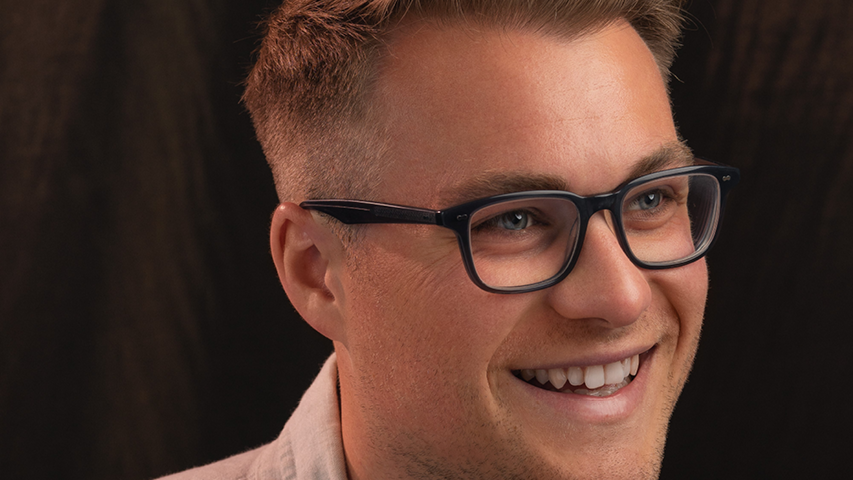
(461, 104)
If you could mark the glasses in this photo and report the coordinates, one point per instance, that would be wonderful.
(526, 241)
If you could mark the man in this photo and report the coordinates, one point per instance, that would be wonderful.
(486, 323)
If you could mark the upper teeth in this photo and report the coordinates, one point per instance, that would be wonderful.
(594, 376)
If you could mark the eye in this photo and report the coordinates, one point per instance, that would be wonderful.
(507, 221)
(515, 220)
(649, 200)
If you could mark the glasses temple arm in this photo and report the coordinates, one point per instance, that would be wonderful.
(355, 212)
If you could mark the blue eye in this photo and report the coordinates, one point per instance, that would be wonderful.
(517, 220)
(649, 200)
(508, 221)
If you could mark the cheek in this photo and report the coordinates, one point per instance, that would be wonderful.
(419, 320)
(420, 341)
(688, 291)
(684, 290)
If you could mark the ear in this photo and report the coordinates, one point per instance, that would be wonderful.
(308, 258)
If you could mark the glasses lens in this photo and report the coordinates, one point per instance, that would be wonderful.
(672, 219)
(522, 242)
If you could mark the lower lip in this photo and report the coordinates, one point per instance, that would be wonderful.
(597, 410)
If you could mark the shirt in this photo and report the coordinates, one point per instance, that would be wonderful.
(308, 448)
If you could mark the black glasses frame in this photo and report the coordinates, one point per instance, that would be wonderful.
(457, 218)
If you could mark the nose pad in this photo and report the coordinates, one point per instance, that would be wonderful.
(608, 218)
(604, 284)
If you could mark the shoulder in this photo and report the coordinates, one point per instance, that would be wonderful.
(237, 467)
(308, 447)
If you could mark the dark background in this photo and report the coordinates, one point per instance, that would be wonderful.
(142, 327)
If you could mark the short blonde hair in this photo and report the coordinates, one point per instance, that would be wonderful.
(308, 92)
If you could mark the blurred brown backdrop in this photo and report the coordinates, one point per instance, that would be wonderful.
(142, 328)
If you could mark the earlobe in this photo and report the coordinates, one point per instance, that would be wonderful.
(307, 257)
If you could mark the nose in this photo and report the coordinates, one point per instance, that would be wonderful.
(604, 284)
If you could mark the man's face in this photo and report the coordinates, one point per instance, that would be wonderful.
(431, 364)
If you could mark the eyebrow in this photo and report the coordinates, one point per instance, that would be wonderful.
(492, 183)
(669, 155)
(489, 183)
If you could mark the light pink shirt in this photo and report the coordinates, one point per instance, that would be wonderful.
(309, 447)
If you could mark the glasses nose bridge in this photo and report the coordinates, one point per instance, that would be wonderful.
(597, 203)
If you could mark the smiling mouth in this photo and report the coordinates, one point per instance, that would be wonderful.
(593, 380)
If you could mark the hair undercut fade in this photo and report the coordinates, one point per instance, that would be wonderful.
(309, 91)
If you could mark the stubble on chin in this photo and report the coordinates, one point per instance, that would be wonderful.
(510, 458)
